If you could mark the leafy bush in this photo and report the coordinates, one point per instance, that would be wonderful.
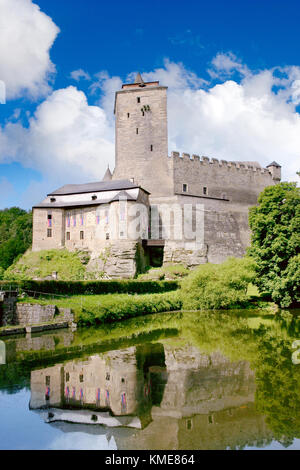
(213, 286)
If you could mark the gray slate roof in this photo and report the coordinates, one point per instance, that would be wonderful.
(94, 187)
(274, 164)
(96, 202)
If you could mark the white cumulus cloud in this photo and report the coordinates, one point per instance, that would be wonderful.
(67, 140)
(26, 36)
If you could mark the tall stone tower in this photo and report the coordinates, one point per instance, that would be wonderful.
(142, 136)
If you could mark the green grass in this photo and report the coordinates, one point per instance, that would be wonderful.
(41, 264)
(98, 309)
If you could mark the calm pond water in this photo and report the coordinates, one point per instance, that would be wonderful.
(167, 381)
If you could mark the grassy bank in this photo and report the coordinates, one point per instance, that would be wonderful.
(99, 309)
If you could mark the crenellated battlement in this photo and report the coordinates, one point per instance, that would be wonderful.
(203, 160)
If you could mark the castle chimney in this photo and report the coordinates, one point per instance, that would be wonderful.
(275, 171)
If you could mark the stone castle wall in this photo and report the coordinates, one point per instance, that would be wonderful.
(238, 182)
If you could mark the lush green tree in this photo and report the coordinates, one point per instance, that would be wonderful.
(275, 243)
(217, 286)
(15, 234)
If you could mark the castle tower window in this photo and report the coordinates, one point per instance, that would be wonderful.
(49, 233)
(138, 99)
(49, 217)
(81, 377)
(107, 236)
(205, 190)
(128, 115)
(67, 377)
(81, 235)
(68, 236)
(137, 131)
(151, 148)
(184, 188)
(107, 376)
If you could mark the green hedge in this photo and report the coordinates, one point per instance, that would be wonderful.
(92, 287)
(122, 307)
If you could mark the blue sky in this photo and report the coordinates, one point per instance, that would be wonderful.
(232, 68)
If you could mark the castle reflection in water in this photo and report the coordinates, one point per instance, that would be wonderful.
(153, 396)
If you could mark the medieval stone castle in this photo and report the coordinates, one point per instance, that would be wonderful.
(154, 208)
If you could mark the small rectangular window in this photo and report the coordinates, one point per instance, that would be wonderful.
(204, 190)
(67, 377)
(107, 236)
(184, 188)
(49, 218)
(81, 378)
(47, 379)
(151, 148)
(138, 99)
(137, 131)
(49, 233)
(68, 236)
(128, 115)
(107, 376)
(81, 235)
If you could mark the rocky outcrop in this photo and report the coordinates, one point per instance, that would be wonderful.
(120, 260)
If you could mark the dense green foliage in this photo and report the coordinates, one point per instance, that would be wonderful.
(15, 235)
(213, 286)
(275, 244)
(97, 309)
(128, 286)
